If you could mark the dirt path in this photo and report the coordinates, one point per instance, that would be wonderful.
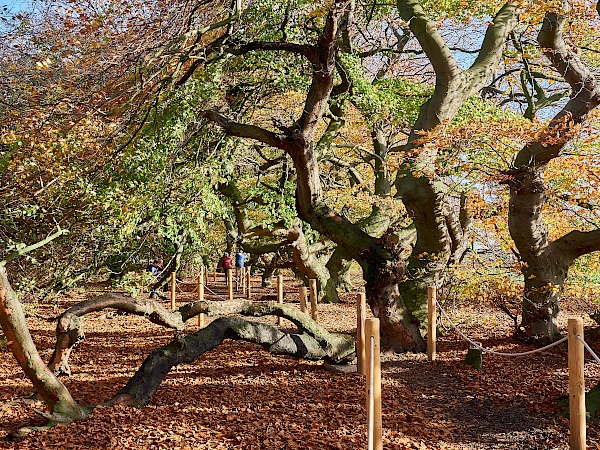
(240, 397)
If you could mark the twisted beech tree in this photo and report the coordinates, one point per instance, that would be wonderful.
(546, 262)
(310, 342)
(395, 290)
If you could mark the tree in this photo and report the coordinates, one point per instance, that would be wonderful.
(546, 262)
(311, 342)
(395, 296)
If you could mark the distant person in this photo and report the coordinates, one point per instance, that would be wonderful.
(156, 267)
(240, 257)
(226, 262)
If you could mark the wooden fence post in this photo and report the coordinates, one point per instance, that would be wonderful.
(302, 293)
(173, 288)
(215, 274)
(230, 283)
(243, 280)
(314, 313)
(372, 341)
(576, 384)
(361, 306)
(201, 295)
(279, 296)
(249, 289)
(431, 323)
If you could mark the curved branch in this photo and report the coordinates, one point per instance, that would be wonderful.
(32, 247)
(492, 46)
(184, 350)
(247, 47)
(244, 130)
(583, 84)
(69, 329)
(433, 43)
(578, 243)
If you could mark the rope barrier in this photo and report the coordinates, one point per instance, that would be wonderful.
(214, 293)
(478, 346)
(589, 349)
(177, 283)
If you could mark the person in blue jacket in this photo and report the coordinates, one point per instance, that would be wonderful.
(240, 257)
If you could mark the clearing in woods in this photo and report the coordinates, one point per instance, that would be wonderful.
(240, 397)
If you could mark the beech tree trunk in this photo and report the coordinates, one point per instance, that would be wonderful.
(69, 330)
(546, 263)
(52, 391)
(310, 342)
(441, 235)
(184, 350)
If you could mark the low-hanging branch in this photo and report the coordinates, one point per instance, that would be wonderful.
(184, 350)
(69, 329)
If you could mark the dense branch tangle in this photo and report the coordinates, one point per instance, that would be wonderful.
(397, 300)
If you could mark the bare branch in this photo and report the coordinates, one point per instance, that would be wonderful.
(246, 131)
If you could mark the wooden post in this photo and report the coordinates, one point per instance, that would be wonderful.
(372, 341)
(215, 274)
(201, 296)
(576, 385)
(302, 293)
(314, 313)
(248, 292)
(431, 323)
(243, 280)
(230, 283)
(279, 296)
(361, 311)
(173, 288)
(201, 280)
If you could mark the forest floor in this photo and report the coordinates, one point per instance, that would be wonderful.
(240, 397)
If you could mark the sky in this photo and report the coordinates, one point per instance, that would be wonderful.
(10, 7)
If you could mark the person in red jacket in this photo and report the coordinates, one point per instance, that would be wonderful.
(226, 262)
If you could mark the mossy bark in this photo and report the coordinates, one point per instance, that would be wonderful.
(70, 323)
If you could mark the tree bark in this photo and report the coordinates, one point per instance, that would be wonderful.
(311, 266)
(546, 263)
(184, 350)
(69, 330)
(62, 407)
(441, 238)
(438, 238)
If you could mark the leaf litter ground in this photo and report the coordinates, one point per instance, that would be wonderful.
(240, 397)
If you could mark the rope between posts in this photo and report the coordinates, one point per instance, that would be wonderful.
(478, 346)
(205, 287)
(589, 349)
(214, 293)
